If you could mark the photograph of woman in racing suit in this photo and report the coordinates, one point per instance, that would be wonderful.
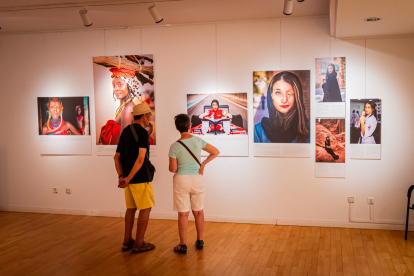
(216, 114)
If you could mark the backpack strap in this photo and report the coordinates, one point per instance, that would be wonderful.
(134, 132)
(192, 154)
(136, 137)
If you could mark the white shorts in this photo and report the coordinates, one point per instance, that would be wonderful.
(188, 191)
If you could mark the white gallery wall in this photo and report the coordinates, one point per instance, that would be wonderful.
(208, 58)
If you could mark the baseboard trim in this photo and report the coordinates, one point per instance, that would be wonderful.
(62, 211)
(173, 216)
(345, 224)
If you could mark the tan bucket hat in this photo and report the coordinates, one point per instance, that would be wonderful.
(142, 108)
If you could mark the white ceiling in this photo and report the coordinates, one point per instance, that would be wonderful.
(347, 16)
(174, 12)
(396, 18)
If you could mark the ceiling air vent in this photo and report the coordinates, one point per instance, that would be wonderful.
(372, 19)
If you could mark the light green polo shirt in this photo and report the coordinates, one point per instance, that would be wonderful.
(186, 163)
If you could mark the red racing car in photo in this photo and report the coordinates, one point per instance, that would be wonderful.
(217, 122)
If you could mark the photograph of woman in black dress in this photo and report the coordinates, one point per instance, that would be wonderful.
(331, 91)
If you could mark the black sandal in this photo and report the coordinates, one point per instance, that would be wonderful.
(199, 244)
(127, 246)
(181, 248)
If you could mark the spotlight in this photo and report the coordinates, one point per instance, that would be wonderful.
(287, 9)
(85, 18)
(155, 14)
(301, 0)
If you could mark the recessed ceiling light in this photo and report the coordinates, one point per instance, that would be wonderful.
(372, 19)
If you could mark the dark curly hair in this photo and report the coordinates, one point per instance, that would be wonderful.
(182, 122)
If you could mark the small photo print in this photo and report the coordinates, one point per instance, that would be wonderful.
(330, 141)
(330, 80)
(63, 115)
(365, 121)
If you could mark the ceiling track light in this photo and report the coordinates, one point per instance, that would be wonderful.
(85, 17)
(288, 7)
(155, 14)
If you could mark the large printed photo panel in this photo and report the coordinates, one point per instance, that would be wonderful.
(281, 106)
(120, 83)
(221, 120)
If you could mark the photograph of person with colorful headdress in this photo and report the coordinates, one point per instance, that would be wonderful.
(62, 116)
(131, 83)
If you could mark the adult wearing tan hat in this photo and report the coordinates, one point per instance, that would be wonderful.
(133, 167)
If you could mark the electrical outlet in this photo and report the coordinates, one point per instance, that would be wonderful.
(350, 200)
(55, 190)
(68, 191)
(370, 200)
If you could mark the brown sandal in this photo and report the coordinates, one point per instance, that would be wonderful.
(127, 246)
(181, 248)
(143, 248)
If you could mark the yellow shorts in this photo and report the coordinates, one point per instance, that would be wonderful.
(139, 195)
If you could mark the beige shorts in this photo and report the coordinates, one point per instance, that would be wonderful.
(188, 191)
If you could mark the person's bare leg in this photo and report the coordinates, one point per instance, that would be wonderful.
(142, 224)
(182, 226)
(129, 224)
(199, 222)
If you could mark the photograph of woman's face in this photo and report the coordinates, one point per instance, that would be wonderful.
(120, 88)
(283, 96)
(368, 109)
(330, 69)
(55, 108)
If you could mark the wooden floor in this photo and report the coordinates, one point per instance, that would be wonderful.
(45, 244)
